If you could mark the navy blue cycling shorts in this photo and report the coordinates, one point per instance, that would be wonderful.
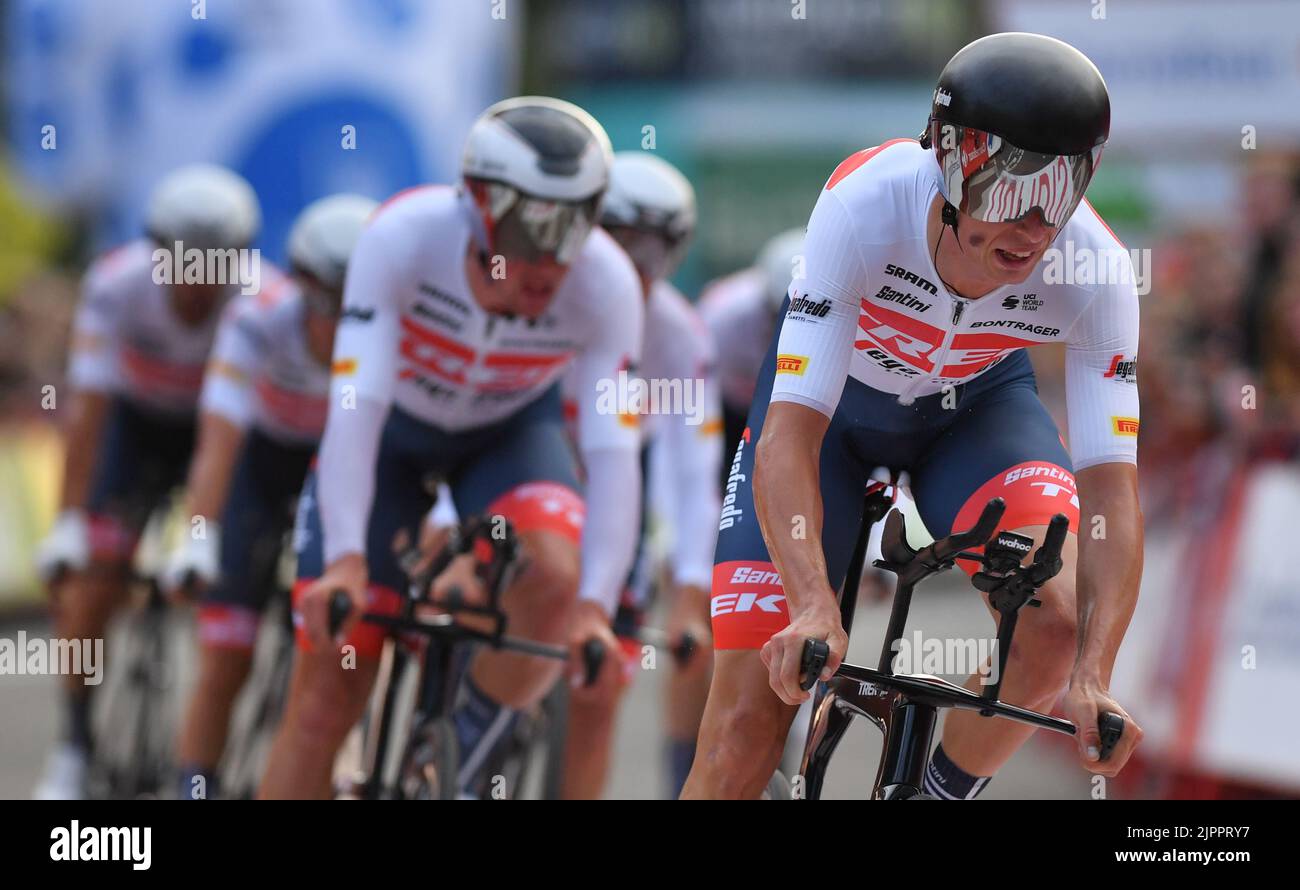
(143, 456)
(993, 438)
(522, 468)
(258, 513)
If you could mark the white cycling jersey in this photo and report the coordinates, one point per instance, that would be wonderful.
(872, 307)
(126, 339)
(262, 373)
(677, 360)
(412, 335)
(736, 310)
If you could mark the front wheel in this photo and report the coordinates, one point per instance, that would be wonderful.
(431, 762)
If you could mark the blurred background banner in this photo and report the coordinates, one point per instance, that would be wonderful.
(369, 96)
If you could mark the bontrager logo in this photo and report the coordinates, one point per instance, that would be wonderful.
(91, 844)
(910, 278)
(726, 603)
(803, 305)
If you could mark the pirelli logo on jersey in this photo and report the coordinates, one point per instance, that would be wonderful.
(1124, 426)
(343, 367)
(791, 364)
(227, 370)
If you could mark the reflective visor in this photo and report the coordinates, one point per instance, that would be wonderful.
(990, 179)
(654, 255)
(529, 228)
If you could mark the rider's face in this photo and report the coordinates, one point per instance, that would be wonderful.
(1006, 252)
(195, 303)
(526, 287)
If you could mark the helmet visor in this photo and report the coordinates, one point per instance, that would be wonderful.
(531, 228)
(654, 254)
(990, 179)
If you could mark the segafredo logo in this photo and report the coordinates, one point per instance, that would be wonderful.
(730, 514)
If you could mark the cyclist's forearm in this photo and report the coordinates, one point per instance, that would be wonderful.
(213, 466)
(609, 532)
(345, 474)
(1109, 571)
(787, 499)
(82, 435)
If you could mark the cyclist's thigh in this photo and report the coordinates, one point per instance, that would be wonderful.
(1004, 444)
(401, 499)
(748, 601)
(253, 524)
(142, 457)
(523, 469)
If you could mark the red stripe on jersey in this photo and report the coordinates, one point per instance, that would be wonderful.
(1103, 223)
(404, 193)
(857, 159)
(295, 409)
(902, 336)
(150, 372)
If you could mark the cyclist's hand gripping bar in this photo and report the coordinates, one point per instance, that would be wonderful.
(815, 654)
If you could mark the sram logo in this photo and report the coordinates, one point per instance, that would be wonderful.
(727, 603)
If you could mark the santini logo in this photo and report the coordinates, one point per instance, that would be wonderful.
(90, 844)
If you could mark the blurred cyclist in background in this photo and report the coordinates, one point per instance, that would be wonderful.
(261, 415)
(741, 310)
(136, 369)
(463, 308)
(650, 211)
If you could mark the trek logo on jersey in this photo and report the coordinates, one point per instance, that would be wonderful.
(1028, 302)
(1122, 369)
(889, 295)
(801, 305)
(1124, 426)
(911, 278)
(727, 603)
(791, 364)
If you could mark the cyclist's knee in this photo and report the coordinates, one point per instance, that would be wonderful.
(327, 701)
(744, 727)
(550, 578)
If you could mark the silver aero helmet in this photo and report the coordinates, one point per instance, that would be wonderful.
(776, 263)
(650, 211)
(203, 206)
(1017, 124)
(536, 169)
(321, 242)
